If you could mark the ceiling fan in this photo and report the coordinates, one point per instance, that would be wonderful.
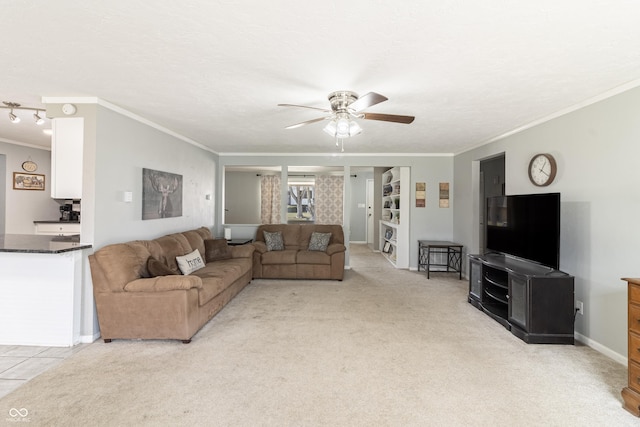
(346, 106)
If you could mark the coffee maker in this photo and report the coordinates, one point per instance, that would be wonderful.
(74, 215)
(65, 212)
(70, 211)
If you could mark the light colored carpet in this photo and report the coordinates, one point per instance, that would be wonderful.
(384, 347)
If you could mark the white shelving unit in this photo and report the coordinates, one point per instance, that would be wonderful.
(394, 226)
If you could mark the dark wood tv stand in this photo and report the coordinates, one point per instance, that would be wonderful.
(534, 302)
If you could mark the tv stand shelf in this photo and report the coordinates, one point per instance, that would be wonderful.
(534, 302)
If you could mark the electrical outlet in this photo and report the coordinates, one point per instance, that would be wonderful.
(580, 307)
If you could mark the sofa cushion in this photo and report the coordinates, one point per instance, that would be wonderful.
(211, 287)
(287, 256)
(190, 262)
(194, 237)
(319, 241)
(157, 268)
(216, 249)
(219, 275)
(313, 257)
(274, 241)
(164, 283)
(167, 248)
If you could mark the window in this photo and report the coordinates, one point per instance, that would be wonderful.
(301, 199)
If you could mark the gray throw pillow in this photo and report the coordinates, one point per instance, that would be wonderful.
(273, 241)
(319, 241)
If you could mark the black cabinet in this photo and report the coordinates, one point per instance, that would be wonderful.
(534, 302)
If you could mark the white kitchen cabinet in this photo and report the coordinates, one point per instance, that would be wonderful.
(66, 158)
(57, 229)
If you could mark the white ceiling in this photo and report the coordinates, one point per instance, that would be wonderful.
(214, 71)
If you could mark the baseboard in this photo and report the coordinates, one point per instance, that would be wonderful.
(88, 339)
(359, 242)
(601, 348)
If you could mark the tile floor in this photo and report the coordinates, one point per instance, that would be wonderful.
(19, 364)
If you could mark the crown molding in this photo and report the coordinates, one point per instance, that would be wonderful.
(575, 107)
(124, 112)
(336, 154)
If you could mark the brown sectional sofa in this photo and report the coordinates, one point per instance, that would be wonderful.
(131, 304)
(296, 261)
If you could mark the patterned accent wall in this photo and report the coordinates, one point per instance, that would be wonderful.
(270, 199)
(329, 195)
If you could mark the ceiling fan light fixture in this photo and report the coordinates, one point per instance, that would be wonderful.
(342, 128)
(13, 117)
(345, 107)
(354, 128)
(330, 128)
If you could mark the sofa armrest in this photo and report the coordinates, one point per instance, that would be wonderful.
(242, 251)
(335, 248)
(164, 283)
(261, 247)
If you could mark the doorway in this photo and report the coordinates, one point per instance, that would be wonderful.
(492, 183)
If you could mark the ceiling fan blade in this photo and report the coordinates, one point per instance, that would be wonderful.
(388, 118)
(366, 101)
(308, 122)
(304, 106)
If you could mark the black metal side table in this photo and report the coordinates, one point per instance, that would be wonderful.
(440, 249)
(238, 242)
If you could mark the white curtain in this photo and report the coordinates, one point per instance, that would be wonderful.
(270, 199)
(328, 199)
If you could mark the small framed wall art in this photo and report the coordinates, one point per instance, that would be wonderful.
(28, 181)
(421, 194)
(444, 195)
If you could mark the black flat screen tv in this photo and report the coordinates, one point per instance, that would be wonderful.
(525, 226)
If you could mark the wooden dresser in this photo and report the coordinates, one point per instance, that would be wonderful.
(631, 393)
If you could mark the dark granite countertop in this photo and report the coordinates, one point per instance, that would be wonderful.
(34, 243)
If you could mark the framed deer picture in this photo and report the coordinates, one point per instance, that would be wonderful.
(161, 194)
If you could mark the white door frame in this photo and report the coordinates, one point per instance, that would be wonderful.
(369, 213)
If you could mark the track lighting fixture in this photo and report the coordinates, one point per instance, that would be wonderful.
(11, 106)
(13, 117)
(39, 120)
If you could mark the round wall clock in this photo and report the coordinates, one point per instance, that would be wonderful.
(542, 169)
(29, 166)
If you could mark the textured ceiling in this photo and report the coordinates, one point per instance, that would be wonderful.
(214, 71)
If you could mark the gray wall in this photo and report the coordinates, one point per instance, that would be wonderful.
(596, 149)
(430, 222)
(22, 207)
(123, 148)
